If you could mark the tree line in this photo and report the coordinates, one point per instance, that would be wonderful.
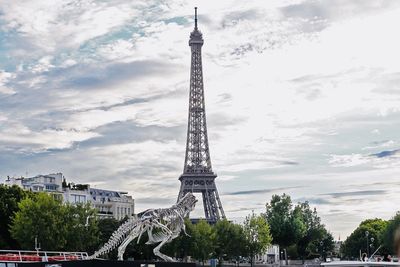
(372, 236)
(296, 228)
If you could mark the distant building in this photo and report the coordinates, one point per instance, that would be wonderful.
(270, 256)
(39, 183)
(337, 248)
(112, 204)
(79, 193)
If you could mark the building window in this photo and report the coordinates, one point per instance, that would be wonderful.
(78, 199)
(50, 187)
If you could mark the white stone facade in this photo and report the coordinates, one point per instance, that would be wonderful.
(110, 204)
(39, 183)
(270, 256)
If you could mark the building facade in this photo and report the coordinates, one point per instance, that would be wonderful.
(270, 256)
(39, 183)
(110, 204)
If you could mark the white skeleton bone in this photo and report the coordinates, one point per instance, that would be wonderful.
(168, 222)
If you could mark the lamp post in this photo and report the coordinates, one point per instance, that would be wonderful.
(371, 245)
(366, 235)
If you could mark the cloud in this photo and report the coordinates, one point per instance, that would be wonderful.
(379, 159)
(387, 153)
(380, 144)
(124, 132)
(243, 209)
(94, 76)
(18, 138)
(63, 24)
(336, 9)
(356, 193)
(261, 191)
(348, 160)
(315, 200)
(4, 78)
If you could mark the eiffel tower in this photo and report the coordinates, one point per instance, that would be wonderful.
(198, 176)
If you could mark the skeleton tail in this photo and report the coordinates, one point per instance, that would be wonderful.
(116, 238)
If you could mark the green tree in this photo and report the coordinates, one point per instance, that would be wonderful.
(204, 241)
(10, 196)
(257, 235)
(80, 227)
(41, 217)
(389, 233)
(229, 240)
(368, 232)
(183, 246)
(286, 226)
(327, 244)
(56, 226)
(316, 239)
(106, 227)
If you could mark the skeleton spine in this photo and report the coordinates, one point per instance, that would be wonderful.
(116, 238)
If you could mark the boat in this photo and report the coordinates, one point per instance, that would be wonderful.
(11, 258)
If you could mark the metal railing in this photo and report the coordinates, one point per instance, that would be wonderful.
(38, 255)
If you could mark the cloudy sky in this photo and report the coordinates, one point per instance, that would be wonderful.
(302, 97)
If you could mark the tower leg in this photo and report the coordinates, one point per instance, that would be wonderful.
(213, 202)
(206, 205)
(221, 210)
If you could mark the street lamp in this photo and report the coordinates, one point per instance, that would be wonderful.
(366, 235)
(372, 245)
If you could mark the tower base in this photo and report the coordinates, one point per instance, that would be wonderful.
(203, 183)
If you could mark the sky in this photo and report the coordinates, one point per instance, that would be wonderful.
(302, 97)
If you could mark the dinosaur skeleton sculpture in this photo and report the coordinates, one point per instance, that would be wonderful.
(168, 224)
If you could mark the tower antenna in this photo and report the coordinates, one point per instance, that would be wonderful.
(195, 18)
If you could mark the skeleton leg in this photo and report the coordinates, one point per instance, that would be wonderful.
(125, 243)
(157, 252)
(184, 230)
(168, 239)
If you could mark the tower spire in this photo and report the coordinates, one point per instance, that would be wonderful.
(195, 18)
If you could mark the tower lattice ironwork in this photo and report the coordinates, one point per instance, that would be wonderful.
(198, 176)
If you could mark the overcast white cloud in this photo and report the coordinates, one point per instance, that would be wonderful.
(302, 97)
